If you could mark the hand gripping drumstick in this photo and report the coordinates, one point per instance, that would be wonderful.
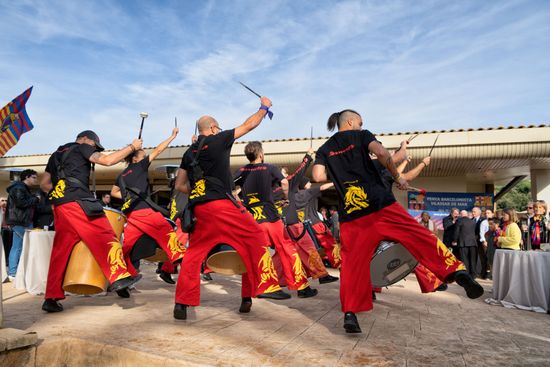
(143, 116)
(269, 113)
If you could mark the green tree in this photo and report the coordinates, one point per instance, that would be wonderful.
(517, 198)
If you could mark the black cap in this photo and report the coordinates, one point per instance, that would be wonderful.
(93, 136)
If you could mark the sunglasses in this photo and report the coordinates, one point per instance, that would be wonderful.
(529, 207)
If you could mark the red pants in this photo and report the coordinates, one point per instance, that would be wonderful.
(427, 280)
(360, 238)
(183, 237)
(327, 241)
(292, 267)
(152, 223)
(72, 226)
(220, 221)
(313, 264)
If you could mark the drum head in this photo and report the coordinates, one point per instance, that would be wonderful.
(226, 262)
(391, 263)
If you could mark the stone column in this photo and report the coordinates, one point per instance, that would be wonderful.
(540, 184)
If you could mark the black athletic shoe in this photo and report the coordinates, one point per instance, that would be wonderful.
(373, 296)
(180, 311)
(442, 288)
(125, 282)
(158, 269)
(166, 277)
(351, 324)
(123, 293)
(327, 279)
(207, 277)
(307, 292)
(51, 305)
(275, 295)
(465, 280)
(246, 305)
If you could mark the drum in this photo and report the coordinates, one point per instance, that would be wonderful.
(223, 259)
(390, 263)
(83, 274)
(117, 220)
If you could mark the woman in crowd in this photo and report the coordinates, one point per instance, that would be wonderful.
(426, 221)
(539, 225)
(510, 239)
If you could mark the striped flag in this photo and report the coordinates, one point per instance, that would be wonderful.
(15, 122)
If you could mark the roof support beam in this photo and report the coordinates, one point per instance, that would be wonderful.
(509, 186)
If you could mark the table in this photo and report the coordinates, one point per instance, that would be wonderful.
(32, 271)
(521, 279)
(3, 270)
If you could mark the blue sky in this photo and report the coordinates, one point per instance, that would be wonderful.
(404, 65)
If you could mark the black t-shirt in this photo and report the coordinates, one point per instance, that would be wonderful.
(257, 181)
(76, 165)
(136, 175)
(216, 182)
(359, 185)
(294, 180)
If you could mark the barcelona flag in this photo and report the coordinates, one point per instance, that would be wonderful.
(14, 122)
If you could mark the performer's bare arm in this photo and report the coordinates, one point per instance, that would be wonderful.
(401, 167)
(413, 173)
(327, 186)
(385, 158)
(162, 146)
(182, 182)
(319, 173)
(115, 157)
(253, 121)
(284, 186)
(401, 155)
(46, 182)
(115, 192)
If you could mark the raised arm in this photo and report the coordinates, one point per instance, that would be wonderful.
(413, 173)
(115, 157)
(162, 146)
(384, 157)
(253, 121)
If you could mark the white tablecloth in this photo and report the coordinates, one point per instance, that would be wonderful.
(32, 271)
(521, 279)
(3, 270)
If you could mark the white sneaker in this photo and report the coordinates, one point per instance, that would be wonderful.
(11, 279)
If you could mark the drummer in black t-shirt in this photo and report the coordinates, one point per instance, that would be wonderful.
(72, 224)
(142, 218)
(220, 218)
(369, 214)
(256, 181)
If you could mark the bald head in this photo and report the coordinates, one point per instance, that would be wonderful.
(464, 213)
(205, 125)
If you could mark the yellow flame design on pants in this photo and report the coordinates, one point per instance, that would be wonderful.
(267, 270)
(116, 257)
(448, 257)
(175, 246)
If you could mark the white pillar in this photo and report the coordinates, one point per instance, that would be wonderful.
(540, 184)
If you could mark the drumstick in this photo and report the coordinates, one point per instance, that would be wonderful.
(244, 85)
(433, 146)
(176, 121)
(311, 138)
(143, 116)
(412, 137)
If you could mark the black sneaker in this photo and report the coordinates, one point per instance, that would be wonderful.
(180, 311)
(246, 305)
(207, 277)
(158, 269)
(123, 293)
(327, 279)
(442, 288)
(275, 295)
(125, 282)
(51, 305)
(307, 292)
(166, 277)
(465, 280)
(351, 324)
(373, 296)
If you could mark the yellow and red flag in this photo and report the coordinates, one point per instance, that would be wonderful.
(14, 122)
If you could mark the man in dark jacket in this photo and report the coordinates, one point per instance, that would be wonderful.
(449, 230)
(21, 204)
(465, 239)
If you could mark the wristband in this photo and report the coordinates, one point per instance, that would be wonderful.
(396, 178)
(425, 165)
(132, 147)
(266, 109)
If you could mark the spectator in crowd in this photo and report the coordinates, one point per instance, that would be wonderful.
(335, 229)
(499, 215)
(6, 230)
(539, 225)
(465, 240)
(484, 245)
(491, 237)
(481, 245)
(426, 221)
(449, 230)
(106, 200)
(21, 204)
(325, 217)
(510, 239)
(525, 226)
(43, 216)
